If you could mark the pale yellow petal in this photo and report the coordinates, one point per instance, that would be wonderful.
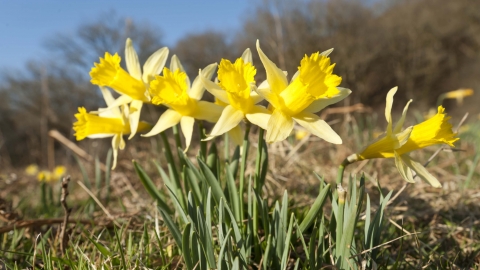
(279, 127)
(401, 138)
(214, 89)
(176, 64)
(255, 96)
(259, 116)
(134, 116)
(197, 89)
(275, 76)
(167, 120)
(388, 109)
(247, 56)
(400, 122)
(229, 119)
(115, 145)
(186, 124)
(421, 171)
(327, 52)
(295, 76)
(236, 135)
(131, 59)
(208, 111)
(321, 103)
(271, 97)
(154, 64)
(107, 96)
(403, 169)
(317, 127)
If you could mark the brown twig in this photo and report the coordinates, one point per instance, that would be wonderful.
(63, 200)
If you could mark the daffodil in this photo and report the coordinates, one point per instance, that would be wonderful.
(458, 94)
(48, 176)
(132, 85)
(108, 123)
(236, 82)
(311, 89)
(31, 169)
(397, 143)
(173, 90)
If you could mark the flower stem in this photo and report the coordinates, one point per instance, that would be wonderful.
(243, 164)
(203, 144)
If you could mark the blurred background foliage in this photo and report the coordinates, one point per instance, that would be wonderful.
(426, 47)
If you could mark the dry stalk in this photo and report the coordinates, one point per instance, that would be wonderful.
(63, 229)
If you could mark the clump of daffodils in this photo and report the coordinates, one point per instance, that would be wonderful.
(237, 99)
(45, 175)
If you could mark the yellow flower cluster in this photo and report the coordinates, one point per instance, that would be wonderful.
(46, 175)
(237, 98)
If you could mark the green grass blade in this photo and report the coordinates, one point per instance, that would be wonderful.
(172, 227)
(151, 188)
(315, 209)
(212, 181)
(186, 247)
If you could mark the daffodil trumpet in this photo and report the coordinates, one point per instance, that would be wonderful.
(132, 85)
(311, 89)
(106, 123)
(235, 89)
(397, 143)
(174, 91)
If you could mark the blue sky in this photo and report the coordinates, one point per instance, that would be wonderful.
(24, 25)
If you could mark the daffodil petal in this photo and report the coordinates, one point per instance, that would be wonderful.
(271, 97)
(321, 103)
(400, 122)
(401, 138)
(403, 169)
(229, 119)
(214, 89)
(421, 171)
(197, 89)
(236, 135)
(247, 56)
(107, 96)
(259, 116)
(279, 127)
(327, 52)
(256, 97)
(388, 109)
(101, 135)
(208, 111)
(115, 145)
(167, 120)
(113, 107)
(275, 76)
(264, 84)
(295, 76)
(154, 64)
(176, 64)
(186, 124)
(131, 59)
(317, 127)
(134, 116)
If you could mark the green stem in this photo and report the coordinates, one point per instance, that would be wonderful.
(341, 170)
(226, 149)
(176, 134)
(243, 165)
(203, 144)
(258, 190)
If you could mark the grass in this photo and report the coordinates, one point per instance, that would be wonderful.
(152, 215)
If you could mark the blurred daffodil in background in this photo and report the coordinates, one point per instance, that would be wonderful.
(107, 123)
(458, 94)
(235, 88)
(397, 143)
(173, 90)
(132, 85)
(32, 169)
(311, 89)
(51, 176)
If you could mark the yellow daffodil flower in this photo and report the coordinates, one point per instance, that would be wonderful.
(132, 85)
(173, 90)
(48, 176)
(396, 143)
(312, 88)
(31, 169)
(459, 94)
(108, 123)
(236, 82)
